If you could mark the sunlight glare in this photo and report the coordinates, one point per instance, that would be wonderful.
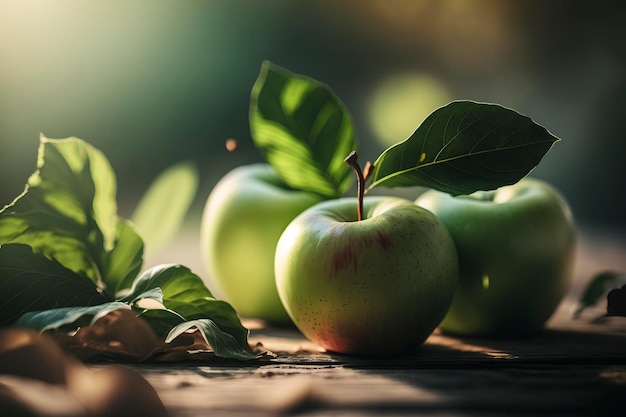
(401, 102)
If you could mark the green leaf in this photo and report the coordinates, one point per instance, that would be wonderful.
(465, 147)
(161, 320)
(303, 129)
(154, 294)
(68, 212)
(185, 293)
(150, 306)
(68, 317)
(223, 344)
(65, 255)
(600, 285)
(122, 264)
(163, 207)
(33, 282)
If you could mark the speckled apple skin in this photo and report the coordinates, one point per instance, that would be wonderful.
(373, 287)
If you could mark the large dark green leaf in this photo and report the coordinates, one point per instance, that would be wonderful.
(68, 212)
(464, 147)
(31, 282)
(303, 129)
(185, 293)
(68, 208)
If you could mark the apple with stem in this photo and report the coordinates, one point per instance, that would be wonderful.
(244, 216)
(516, 248)
(373, 278)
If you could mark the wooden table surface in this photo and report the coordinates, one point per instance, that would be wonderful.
(573, 368)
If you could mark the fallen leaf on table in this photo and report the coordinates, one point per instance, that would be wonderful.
(119, 335)
(123, 336)
(191, 346)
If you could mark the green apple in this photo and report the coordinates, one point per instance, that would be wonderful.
(516, 248)
(376, 286)
(244, 216)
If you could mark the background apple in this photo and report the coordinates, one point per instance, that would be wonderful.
(516, 252)
(244, 216)
(375, 286)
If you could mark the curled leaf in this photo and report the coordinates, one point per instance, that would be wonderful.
(185, 293)
(223, 344)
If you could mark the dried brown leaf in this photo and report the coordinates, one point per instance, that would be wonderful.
(38, 379)
(119, 334)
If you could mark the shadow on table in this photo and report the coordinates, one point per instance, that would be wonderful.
(553, 373)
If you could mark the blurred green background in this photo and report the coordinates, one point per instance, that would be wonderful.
(152, 83)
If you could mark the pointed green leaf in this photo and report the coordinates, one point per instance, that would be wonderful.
(303, 129)
(63, 212)
(163, 207)
(68, 317)
(122, 264)
(223, 344)
(68, 212)
(32, 282)
(465, 147)
(185, 293)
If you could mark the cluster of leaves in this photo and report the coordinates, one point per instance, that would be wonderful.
(67, 258)
(306, 132)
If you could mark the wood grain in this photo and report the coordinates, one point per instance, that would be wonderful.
(573, 368)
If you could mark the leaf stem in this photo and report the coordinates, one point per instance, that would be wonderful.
(352, 160)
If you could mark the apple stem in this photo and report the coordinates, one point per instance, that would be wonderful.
(367, 170)
(352, 160)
